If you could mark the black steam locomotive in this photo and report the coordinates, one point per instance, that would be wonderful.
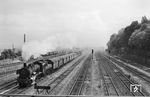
(32, 72)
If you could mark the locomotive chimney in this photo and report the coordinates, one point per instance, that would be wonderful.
(24, 65)
(24, 38)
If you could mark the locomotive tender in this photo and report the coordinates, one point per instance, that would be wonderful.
(36, 70)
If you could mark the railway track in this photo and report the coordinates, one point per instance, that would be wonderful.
(78, 84)
(59, 79)
(121, 82)
(6, 73)
(56, 81)
(7, 85)
(134, 71)
(128, 61)
(105, 84)
(109, 86)
(125, 80)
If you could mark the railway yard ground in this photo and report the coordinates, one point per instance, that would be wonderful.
(97, 74)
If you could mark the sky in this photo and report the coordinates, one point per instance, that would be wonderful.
(90, 22)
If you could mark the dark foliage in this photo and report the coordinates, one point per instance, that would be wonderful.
(10, 54)
(132, 40)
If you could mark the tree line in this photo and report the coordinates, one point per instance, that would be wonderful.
(133, 39)
(10, 54)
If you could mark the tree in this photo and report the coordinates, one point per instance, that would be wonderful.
(7, 53)
(144, 20)
(140, 39)
(126, 33)
(18, 53)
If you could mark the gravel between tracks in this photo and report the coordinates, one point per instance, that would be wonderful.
(97, 85)
(87, 87)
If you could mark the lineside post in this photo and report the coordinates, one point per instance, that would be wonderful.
(92, 53)
(46, 88)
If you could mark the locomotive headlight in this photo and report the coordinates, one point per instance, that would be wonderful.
(33, 79)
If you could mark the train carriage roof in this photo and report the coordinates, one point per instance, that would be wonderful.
(60, 57)
(38, 62)
(50, 59)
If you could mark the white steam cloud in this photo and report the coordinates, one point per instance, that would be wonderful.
(52, 43)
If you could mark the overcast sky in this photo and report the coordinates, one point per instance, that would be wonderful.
(91, 22)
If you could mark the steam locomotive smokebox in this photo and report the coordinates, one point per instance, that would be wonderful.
(17, 72)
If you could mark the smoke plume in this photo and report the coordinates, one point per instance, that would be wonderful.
(52, 43)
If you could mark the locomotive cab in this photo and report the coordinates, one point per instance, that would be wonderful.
(48, 67)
